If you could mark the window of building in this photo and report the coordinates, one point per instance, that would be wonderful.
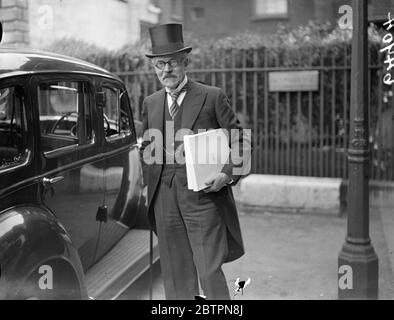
(65, 115)
(197, 14)
(176, 9)
(144, 30)
(174, 6)
(13, 139)
(270, 8)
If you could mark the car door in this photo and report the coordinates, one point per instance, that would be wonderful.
(71, 162)
(122, 175)
(18, 165)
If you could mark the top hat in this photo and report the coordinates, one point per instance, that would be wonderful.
(167, 39)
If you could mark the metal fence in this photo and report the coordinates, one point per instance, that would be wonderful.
(294, 133)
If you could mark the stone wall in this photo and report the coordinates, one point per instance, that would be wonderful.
(109, 24)
(15, 18)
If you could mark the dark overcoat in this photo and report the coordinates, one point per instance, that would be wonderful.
(203, 107)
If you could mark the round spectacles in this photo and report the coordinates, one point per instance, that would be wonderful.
(173, 63)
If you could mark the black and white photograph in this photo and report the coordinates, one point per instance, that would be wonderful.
(209, 151)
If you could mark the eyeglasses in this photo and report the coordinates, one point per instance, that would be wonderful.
(173, 63)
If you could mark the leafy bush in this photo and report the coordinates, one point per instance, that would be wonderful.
(287, 47)
(128, 58)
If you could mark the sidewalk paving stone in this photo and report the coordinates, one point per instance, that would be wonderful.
(289, 257)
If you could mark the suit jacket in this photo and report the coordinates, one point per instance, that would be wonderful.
(204, 107)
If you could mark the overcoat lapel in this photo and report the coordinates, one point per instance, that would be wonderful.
(192, 104)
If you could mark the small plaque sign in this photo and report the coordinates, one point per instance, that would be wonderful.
(285, 81)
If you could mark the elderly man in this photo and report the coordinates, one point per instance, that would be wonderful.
(197, 231)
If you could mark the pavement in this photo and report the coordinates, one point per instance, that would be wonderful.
(291, 256)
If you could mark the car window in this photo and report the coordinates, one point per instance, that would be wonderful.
(117, 119)
(13, 139)
(65, 115)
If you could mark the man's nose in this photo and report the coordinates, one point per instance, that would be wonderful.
(167, 68)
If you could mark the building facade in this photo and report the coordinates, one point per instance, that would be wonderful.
(172, 10)
(109, 24)
(218, 18)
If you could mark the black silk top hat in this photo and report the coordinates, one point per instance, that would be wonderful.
(167, 39)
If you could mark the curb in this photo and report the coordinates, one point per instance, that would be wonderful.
(304, 195)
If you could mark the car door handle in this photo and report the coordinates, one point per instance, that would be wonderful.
(49, 181)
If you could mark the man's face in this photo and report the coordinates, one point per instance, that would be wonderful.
(171, 69)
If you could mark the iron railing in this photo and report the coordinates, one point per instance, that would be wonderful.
(294, 133)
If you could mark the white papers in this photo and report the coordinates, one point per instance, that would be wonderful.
(205, 155)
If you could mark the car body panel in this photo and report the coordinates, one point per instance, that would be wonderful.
(31, 237)
(24, 61)
(74, 204)
(58, 219)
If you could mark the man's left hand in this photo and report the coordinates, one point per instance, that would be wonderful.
(218, 183)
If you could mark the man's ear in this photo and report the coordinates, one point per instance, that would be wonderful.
(187, 61)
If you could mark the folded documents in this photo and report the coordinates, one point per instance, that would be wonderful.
(205, 155)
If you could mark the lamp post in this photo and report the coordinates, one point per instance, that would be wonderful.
(357, 261)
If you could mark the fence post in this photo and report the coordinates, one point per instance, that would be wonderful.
(255, 166)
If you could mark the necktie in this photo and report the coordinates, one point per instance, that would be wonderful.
(175, 106)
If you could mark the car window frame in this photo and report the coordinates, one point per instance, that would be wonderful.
(129, 137)
(43, 78)
(22, 82)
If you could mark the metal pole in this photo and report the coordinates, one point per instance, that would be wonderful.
(150, 264)
(357, 261)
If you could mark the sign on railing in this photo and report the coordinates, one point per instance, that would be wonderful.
(285, 81)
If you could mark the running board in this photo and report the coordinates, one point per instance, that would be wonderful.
(121, 266)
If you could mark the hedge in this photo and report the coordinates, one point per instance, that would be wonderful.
(291, 47)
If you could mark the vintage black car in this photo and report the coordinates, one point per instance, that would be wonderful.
(72, 204)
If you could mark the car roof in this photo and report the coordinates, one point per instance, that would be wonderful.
(15, 61)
